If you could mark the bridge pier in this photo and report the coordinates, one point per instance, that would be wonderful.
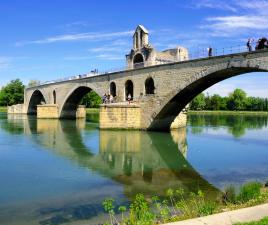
(48, 111)
(17, 109)
(120, 116)
(51, 111)
(180, 121)
(130, 116)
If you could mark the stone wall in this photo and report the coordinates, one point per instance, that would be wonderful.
(48, 111)
(180, 121)
(16, 109)
(121, 116)
(81, 112)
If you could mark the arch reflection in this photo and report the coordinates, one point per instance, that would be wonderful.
(141, 161)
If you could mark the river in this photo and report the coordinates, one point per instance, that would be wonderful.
(59, 171)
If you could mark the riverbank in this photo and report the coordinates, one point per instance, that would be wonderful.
(3, 109)
(236, 217)
(92, 110)
(221, 112)
(88, 110)
(231, 206)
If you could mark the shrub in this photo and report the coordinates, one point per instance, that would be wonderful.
(249, 191)
(140, 213)
(207, 208)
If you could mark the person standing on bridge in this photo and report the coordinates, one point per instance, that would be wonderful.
(104, 98)
(209, 51)
(249, 44)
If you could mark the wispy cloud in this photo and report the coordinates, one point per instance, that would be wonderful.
(234, 25)
(214, 4)
(101, 56)
(110, 57)
(77, 37)
(115, 46)
(249, 17)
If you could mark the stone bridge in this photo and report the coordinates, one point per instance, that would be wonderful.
(159, 92)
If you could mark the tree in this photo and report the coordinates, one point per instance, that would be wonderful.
(12, 93)
(237, 100)
(91, 100)
(216, 102)
(198, 103)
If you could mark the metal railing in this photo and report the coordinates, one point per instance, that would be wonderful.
(197, 54)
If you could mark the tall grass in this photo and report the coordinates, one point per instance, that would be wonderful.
(179, 204)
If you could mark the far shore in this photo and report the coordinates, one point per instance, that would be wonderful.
(3, 109)
(223, 112)
(191, 112)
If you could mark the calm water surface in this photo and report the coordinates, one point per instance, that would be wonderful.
(59, 172)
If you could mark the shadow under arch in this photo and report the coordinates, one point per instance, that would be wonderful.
(70, 105)
(174, 104)
(37, 98)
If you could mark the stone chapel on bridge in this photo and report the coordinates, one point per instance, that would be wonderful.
(143, 54)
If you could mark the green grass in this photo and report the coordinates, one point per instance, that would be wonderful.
(92, 110)
(223, 112)
(264, 221)
(3, 109)
(181, 204)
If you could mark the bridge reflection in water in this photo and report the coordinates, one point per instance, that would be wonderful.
(147, 162)
(137, 162)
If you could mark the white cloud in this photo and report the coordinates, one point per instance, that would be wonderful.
(105, 49)
(249, 17)
(77, 37)
(233, 23)
(214, 4)
(110, 57)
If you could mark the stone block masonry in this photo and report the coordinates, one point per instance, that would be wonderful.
(180, 121)
(16, 109)
(48, 111)
(121, 116)
(81, 112)
(129, 116)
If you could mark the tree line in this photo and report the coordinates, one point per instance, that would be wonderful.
(235, 101)
(12, 93)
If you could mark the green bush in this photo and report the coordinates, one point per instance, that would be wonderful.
(207, 208)
(140, 213)
(249, 191)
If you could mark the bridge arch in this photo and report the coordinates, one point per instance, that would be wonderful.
(71, 102)
(178, 98)
(37, 98)
(149, 86)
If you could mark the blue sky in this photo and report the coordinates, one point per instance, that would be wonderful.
(46, 40)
